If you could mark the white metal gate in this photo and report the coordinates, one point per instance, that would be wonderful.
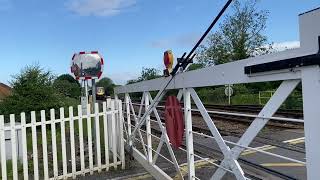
(62, 147)
(291, 67)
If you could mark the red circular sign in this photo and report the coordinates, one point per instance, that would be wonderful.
(174, 121)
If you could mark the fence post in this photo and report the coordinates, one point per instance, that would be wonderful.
(34, 145)
(73, 154)
(3, 150)
(63, 143)
(80, 125)
(44, 144)
(97, 127)
(24, 146)
(13, 147)
(54, 142)
(89, 139)
(105, 129)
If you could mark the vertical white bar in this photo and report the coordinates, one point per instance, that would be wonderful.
(63, 143)
(114, 138)
(3, 149)
(24, 146)
(122, 155)
(54, 143)
(72, 146)
(89, 139)
(13, 147)
(34, 146)
(311, 113)
(81, 139)
(105, 129)
(189, 134)
(127, 101)
(98, 145)
(148, 128)
(44, 144)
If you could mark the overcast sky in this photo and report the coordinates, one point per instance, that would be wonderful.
(130, 34)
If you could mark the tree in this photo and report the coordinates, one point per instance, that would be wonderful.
(239, 36)
(31, 91)
(67, 86)
(146, 74)
(107, 84)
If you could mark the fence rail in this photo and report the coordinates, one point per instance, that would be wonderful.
(61, 148)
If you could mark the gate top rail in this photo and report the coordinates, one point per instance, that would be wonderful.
(279, 65)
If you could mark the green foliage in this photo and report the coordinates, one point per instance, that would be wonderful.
(196, 66)
(240, 35)
(32, 91)
(67, 86)
(146, 74)
(107, 84)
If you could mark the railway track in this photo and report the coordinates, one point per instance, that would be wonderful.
(224, 123)
(209, 152)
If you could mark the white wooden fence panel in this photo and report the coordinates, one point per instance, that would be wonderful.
(111, 119)
(34, 146)
(24, 146)
(54, 143)
(44, 144)
(97, 123)
(89, 139)
(72, 145)
(14, 148)
(3, 150)
(106, 140)
(63, 143)
(81, 139)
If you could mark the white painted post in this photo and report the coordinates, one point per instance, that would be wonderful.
(54, 143)
(189, 133)
(114, 138)
(105, 129)
(128, 116)
(72, 146)
(13, 147)
(24, 146)
(3, 150)
(148, 128)
(122, 155)
(89, 139)
(63, 143)
(98, 146)
(80, 125)
(34, 146)
(311, 99)
(44, 144)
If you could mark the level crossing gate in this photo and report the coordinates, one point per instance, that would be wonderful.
(291, 67)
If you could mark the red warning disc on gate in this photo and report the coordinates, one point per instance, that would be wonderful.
(174, 121)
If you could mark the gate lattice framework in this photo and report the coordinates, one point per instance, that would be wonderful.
(292, 67)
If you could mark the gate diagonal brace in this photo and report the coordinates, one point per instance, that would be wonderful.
(166, 138)
(257, 125)
(179, 97)
(232, 162)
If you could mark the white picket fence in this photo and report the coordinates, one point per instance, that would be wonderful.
(75, 155)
